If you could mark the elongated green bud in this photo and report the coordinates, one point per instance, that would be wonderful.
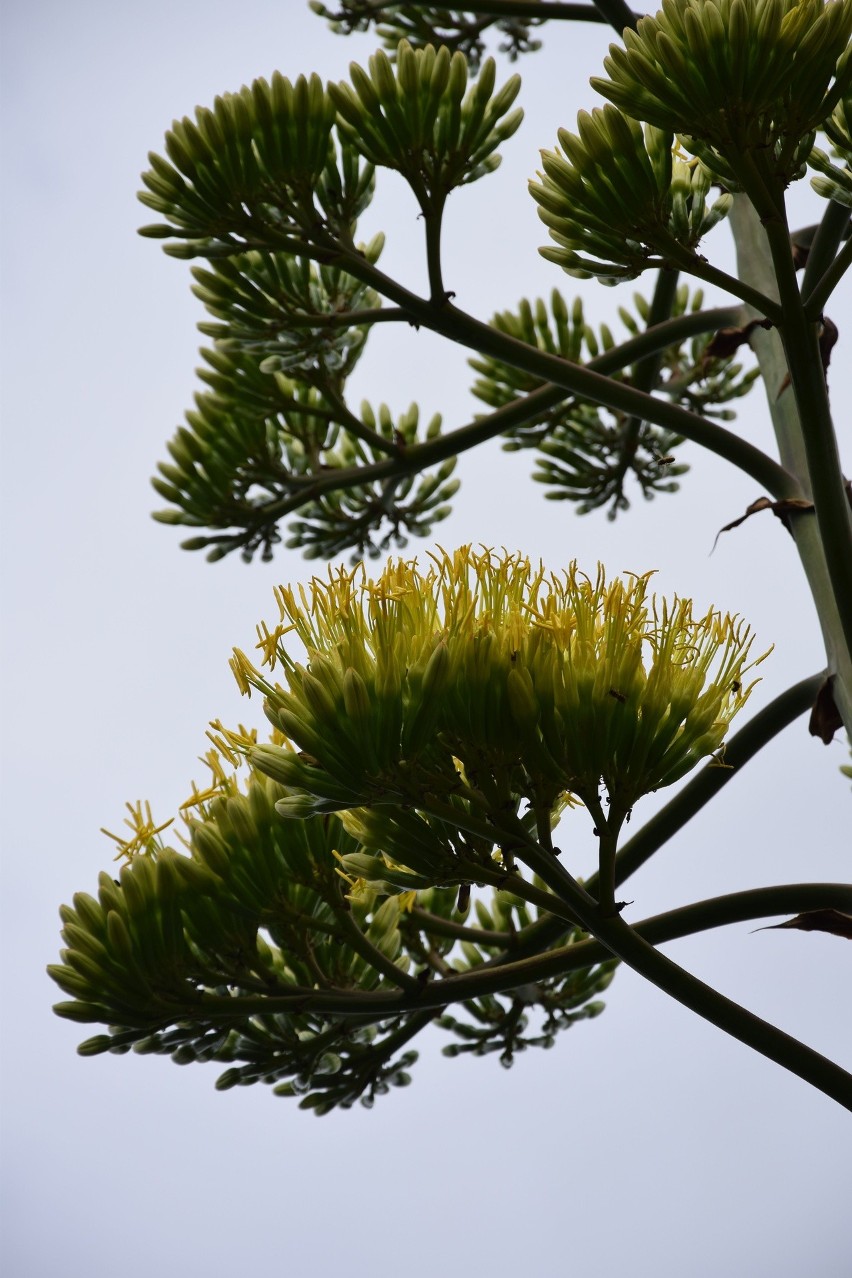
(211, 847)
(282, 765)
(318, 699)
(523, 702)
(356, 698)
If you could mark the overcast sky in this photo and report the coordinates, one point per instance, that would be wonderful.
(645, 1141)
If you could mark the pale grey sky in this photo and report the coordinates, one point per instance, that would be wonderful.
(645, 1141)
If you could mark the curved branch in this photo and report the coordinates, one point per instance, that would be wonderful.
(615, 13)
(815, 300)
(417, 457)
(582, 380)
(498, 976)
(822, 251)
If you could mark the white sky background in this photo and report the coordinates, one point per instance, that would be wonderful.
(644, 1141)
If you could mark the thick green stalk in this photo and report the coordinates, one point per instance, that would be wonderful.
(808, 381)
(823, 562)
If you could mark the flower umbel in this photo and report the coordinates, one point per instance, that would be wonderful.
(617, 199)
(482, 680)
(746, 81)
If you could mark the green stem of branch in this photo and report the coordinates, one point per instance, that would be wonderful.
(581, 380)
(617, 14)
(822, 253)
(646, 372)
(435, 925)
(433, 218)
(613, 12)
(376, 959)
(607, 829)
(816, 299)
(345, 417)
(343, 319)
(497, 977)
(701, 269)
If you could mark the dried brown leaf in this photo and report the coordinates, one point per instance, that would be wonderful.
(834, 921)
(782, 509)
(825, 717)
(727, 340)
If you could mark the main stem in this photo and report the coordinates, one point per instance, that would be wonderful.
(755, 263)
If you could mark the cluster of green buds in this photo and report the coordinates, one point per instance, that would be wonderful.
(423, 24)
(247, 444)
(287, 310)
(588, 454)
(617, 198)
(745, 83)
(276, 948)
(480, 681)
(178, 921)
(259, 168)
(262, 169)
(369, 518)
(835, 183)
(419, 118)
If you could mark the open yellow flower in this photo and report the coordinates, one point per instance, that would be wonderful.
(479, 675)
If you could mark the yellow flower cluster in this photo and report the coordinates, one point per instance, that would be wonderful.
(480, 672)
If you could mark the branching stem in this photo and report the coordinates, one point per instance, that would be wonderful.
(581, 380)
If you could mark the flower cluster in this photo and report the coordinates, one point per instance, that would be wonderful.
(616, 199)
(421, 118)
(483, 678)
(745, 81)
